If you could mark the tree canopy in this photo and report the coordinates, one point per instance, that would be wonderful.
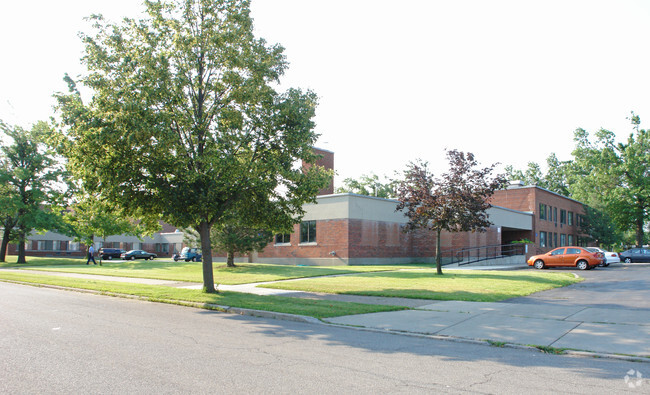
(29, 181)
(185, 122)
(369, 185)
(615, 176)
(455, 202)
(554, 180)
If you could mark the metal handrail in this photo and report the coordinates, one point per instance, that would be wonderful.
(469, 255)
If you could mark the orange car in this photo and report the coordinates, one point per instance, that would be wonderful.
(581, 257)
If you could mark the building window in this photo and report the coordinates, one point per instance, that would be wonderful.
(73, 246)
(562, 240)
(555, 214)
(542, 211)
(555, 239)
(570, 218)
(45, 245)
(542, 239)
(283, 238)
(570, 240)
(563, 216)
(308, 232)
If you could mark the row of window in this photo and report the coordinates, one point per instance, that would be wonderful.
(307, 234)
(51, 245)
(550, 214)
(552, 240)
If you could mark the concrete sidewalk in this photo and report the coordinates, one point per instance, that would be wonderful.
(610, 331)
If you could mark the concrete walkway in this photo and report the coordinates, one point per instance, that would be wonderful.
(612, 332)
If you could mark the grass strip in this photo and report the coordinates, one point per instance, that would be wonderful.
(465, 285)
(158, 293)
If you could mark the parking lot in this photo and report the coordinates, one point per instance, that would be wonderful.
(616, 286)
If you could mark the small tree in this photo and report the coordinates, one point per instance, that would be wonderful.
(238, 238)
(92, 216)
(457, 202)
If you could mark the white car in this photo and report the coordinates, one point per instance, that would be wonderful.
(610, 256)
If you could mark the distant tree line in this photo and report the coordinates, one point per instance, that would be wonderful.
(611, 178)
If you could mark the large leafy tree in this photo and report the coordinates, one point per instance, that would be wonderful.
(615, 176)
(455, 202)
(184, 120)
(30, 176)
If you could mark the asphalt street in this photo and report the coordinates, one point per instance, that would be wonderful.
(54, 341)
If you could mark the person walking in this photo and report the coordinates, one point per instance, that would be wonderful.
(91, 255)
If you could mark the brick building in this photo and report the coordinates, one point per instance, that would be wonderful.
(350, 229)
(556, 218)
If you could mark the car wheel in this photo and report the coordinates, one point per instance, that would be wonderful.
(605, 264)
(193, 259)
(582, 265)
(628, 260)
(539, 264)
(132, 258)
(187, 260)
(151, 258)
(110, 257)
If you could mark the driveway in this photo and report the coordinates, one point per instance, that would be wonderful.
(624, 286)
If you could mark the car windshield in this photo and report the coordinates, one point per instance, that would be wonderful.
(593, 249)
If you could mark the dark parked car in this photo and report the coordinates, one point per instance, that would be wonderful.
(635, 255)
(138, 254)
(189, 254)
(110, 253)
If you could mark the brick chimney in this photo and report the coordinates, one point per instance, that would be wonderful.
(326, 161)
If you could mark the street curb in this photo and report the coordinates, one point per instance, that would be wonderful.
(312, 320)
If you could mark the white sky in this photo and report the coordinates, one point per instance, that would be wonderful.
(507, 80)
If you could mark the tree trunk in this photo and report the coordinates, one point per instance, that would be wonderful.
(5, 243)
(639, 233)
(206, 247)
(438, 253)
(21, 245)
(230, 261)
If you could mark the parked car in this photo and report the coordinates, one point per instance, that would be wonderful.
(110, 253)
(610, 256)
(188, 254)
(138, 254)
(579, 257)
(635, 255)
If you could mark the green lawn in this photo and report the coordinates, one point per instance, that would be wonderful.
(468, 285)
(244, 273)
(157, 293)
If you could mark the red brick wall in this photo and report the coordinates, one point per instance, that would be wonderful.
(331, 235)
(356, 238)
(529, 199)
